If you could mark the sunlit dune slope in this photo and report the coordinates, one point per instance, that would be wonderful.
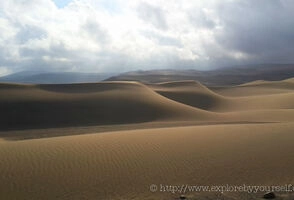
(43, 106)
(122, 165)
(289, 80)
(284, 84)
(257, 88)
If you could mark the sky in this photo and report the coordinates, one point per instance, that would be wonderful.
(124, 35)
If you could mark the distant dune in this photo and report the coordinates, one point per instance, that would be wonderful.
(174, 133)
(259, 87)
(197, 95)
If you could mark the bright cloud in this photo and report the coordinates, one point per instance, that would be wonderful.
(117, 35)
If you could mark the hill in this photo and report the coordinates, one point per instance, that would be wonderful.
(217, 77)
(36, 77)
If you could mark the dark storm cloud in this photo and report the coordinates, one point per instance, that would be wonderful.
(263, 29)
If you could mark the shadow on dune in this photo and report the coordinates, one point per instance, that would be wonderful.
(87, 87)
(46, 106)
(191, 93)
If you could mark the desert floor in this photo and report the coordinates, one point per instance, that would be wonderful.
(113, 140)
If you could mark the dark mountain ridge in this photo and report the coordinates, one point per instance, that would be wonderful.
(222, 76)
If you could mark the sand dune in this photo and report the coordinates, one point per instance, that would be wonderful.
(44, 106)
(289, 80)
(122, 165)
(284, 84)
(191, 93)
(208, 136)
(194, 94)
(257, 88)
(67, 105)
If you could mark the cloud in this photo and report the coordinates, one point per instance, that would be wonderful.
(262, 29)
(153, 15)
(161, 39)
(202, 18)
(95, 32)
(117, 35)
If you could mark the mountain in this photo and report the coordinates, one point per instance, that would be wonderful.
(54, 77)
(222, 76)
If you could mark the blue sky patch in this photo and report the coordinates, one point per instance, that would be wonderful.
(61, 3)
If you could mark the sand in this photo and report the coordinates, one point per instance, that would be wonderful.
(122, 165)
(130, 135)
